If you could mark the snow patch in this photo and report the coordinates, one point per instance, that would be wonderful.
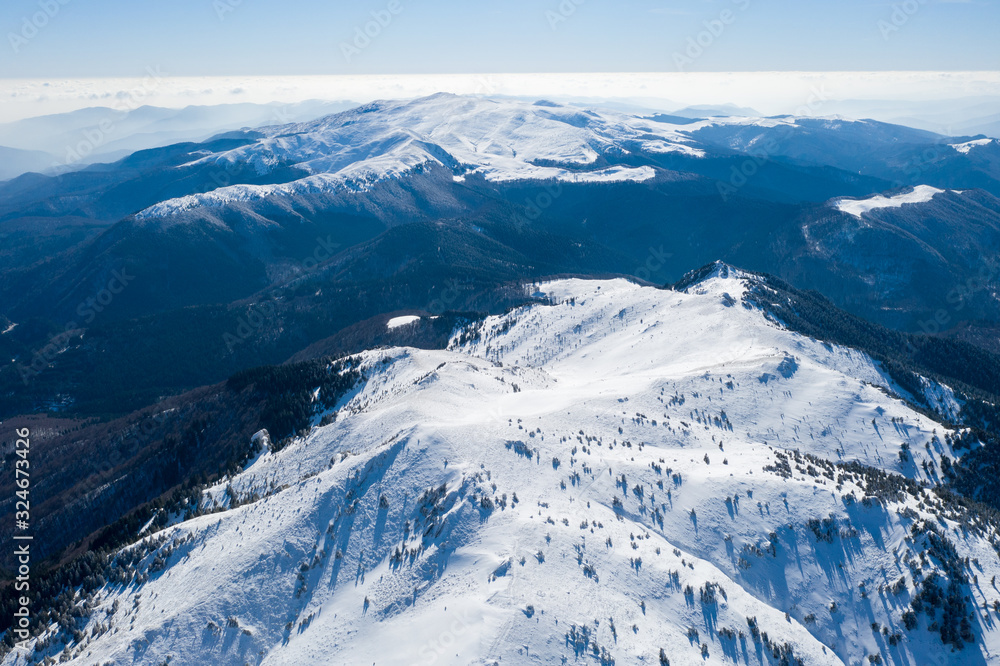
(405, 320)
(966, 147)
(612, 175)
(859, 207)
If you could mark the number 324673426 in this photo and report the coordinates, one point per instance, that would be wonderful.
(22, 477)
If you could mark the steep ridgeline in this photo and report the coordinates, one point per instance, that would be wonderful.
(622, 475)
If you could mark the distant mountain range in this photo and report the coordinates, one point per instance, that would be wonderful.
(403, 198)
(67, 141)
(970, 115)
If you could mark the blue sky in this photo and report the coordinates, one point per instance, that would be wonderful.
(75, 38)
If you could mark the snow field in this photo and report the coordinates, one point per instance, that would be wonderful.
(578, 482)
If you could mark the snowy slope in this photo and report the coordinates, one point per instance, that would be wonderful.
(396, 322)
(859, 207)
(966, 147)
(590, 480)
(501, 140)
(512, 140)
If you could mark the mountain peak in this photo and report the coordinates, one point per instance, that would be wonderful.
(497, 140)
(538, 478)
(717, 270)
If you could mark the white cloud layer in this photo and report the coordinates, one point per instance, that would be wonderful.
(768, 92)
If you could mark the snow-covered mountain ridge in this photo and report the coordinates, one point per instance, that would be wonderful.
(619, 474)
(499, 140)
(859, 207)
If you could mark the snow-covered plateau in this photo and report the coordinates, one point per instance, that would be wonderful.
(498, 140)
(617, 474)
(858, 207)
(966, 147)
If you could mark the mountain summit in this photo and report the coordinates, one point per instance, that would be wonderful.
(496, 140)
(615, 474)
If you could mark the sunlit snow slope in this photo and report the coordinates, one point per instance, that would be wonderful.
(859, 207)
(499, 140)
(619, 472)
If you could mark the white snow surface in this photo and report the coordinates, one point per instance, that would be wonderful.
(396, 322)
(942, 399)
(859, 207)
(501, 140)
(966, 147)
(688, 395)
